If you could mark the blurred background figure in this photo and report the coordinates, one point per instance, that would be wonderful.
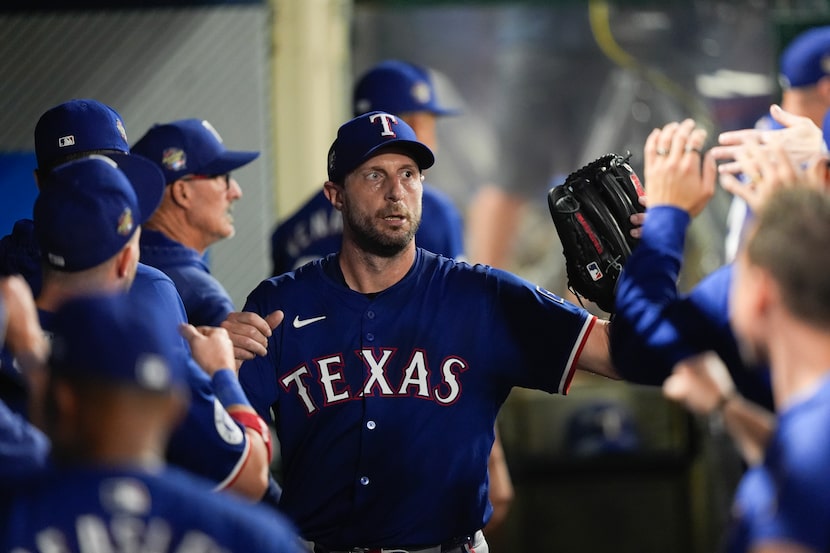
(116, 390)
(804, 77)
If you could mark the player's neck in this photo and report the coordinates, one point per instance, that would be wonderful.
(368, 273)
(177, 229)
(800, 360)
(806, 103)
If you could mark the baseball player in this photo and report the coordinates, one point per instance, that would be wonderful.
(780, 313)
(116, 390)
(315, 230)
(655, 326)
(804, 77)
(233, 454)
(391, 365)
(194, 212)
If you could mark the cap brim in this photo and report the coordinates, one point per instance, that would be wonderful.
(422, 155)
(228, 161)
(445, 112)
(146, 179)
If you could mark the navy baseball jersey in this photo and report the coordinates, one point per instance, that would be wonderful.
(205, 300)
(316, 230)
(23, 448)
(655, 327)
(109, 509)
(385, 404)
(208, 442)
(787, 498)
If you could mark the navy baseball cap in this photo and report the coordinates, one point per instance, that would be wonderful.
(116, 339)
(85, 125)
(78, 126)
(362, 137)
(397, 87)
(88, 209)
(189, 147)
(806, 59)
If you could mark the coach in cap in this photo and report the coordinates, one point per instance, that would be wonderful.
(195, 211)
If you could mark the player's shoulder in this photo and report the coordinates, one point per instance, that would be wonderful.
(308, 274)
(437, 200)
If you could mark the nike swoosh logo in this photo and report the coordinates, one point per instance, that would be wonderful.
(300, 323)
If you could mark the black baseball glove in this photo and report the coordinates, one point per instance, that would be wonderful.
(591, 212)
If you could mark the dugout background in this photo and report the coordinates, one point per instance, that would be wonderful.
(611, 467)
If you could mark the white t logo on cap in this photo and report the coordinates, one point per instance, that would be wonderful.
(386, 121)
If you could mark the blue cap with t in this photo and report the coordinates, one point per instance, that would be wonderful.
(397, 87)
(364, 136)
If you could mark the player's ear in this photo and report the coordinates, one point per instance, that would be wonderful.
(334, 193)
(180, 193)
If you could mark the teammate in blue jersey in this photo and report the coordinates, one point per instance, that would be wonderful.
(387, 375)
(780, 313)
(195, 211)
(315, 229)
(116, 389)
(656, 326)
(207, 442)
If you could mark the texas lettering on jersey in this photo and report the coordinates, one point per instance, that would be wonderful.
(327, 372)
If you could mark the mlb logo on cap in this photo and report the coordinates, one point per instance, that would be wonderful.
(81, 125)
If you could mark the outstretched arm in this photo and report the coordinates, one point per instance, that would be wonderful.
(214, 352)
(703, 385)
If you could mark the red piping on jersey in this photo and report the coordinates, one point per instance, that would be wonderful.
(249, 450)
(584, 341)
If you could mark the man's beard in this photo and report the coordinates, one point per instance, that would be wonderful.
(372, 241)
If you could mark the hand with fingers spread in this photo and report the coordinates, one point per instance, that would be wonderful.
(673, 172)
(249, 333)
(800, 138)
(768, 167)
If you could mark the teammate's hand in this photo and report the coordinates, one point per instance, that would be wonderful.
(24, 337)
(765, 169)
(639, 219)
(211, 346)
(800, 138)
(702, 383)
(674, 174)
(249, 333)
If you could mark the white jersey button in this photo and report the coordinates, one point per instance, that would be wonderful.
(364, 480)
(370, 314)
(371, 425)
(370, 337)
